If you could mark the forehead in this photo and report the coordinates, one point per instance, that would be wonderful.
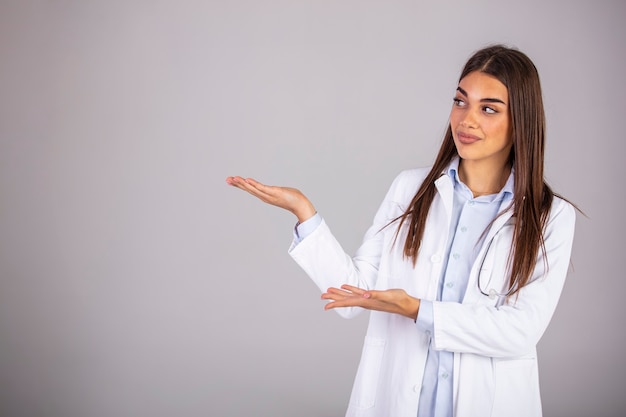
(479, 85)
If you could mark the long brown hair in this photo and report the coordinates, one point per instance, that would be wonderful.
(532, 197)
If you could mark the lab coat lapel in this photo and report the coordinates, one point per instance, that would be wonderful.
(445, 188)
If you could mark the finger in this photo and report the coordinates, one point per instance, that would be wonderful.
(240, 182)
(339, 294)
(351, 302)
(252, 187)
(340, 297)
(256, 184)
(338, 290)
(336, 294)
(268, 193)
(331, 305)
(251, 183)
(356, 290)
(236, 181)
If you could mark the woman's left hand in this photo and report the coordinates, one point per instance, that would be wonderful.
(391, 301)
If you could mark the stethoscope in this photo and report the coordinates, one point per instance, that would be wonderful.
(492, 294)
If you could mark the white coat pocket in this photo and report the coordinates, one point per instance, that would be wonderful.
(514, 396)
(367, 377)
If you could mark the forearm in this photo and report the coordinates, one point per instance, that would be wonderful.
(514, 328)
(321, 256)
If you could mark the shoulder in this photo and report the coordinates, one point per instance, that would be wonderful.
(562, 209)
(406, 184)
(561, 220)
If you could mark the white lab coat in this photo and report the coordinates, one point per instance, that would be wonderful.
(494, 342)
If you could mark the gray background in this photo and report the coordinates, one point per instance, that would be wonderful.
(134, 282)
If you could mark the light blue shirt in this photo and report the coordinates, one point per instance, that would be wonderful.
(470, 218)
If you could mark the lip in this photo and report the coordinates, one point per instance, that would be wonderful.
(466, 138)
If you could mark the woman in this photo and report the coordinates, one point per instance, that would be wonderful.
(464, 263)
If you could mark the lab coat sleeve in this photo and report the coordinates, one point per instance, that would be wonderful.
(514, 328)
(322, 257)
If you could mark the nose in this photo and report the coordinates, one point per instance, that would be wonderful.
(469, 121)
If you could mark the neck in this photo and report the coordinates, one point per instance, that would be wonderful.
(483, 178)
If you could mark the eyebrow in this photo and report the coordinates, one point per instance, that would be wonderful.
(482, 100)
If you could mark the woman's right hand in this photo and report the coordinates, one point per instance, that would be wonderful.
(287, 198)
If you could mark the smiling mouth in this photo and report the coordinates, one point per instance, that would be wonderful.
(466, 138)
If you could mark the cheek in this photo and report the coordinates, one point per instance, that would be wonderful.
(508, 137)
(507, 129)
(502, 132)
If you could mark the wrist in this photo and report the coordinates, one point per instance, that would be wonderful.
(413, 308)
(305, 213)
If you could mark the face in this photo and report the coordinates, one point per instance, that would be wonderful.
(480, 120)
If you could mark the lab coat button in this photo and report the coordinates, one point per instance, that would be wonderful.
(445, 375)
(463, 229)
(450, 284)
(435, 259)
(416, 388)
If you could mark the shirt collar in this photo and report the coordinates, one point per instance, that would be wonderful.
(506, 193)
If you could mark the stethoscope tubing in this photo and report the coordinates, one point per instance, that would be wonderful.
(492, 294)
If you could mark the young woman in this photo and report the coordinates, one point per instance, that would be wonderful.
(464, 263)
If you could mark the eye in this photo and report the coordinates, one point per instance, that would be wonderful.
(489, 110)
(458, 102)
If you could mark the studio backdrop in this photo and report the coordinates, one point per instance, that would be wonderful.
(134, 282)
